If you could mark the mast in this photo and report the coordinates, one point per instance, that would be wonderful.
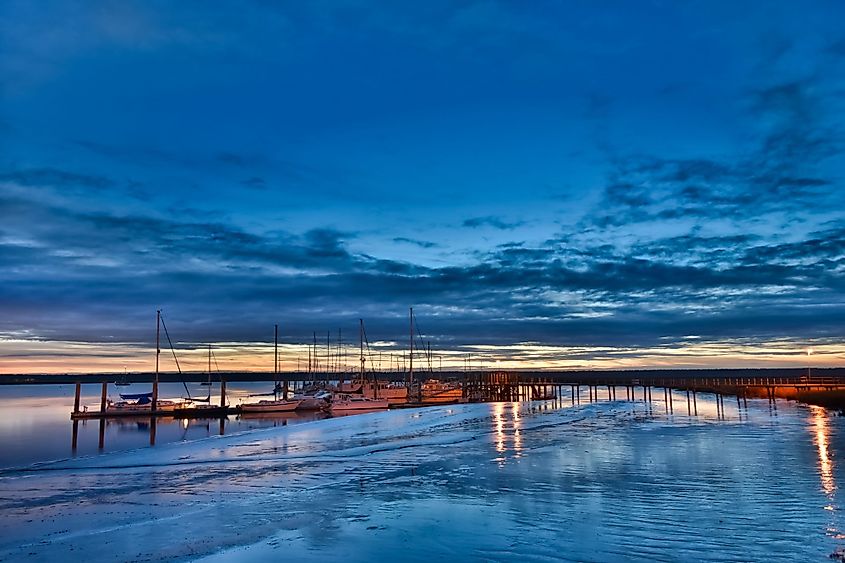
(361, 340)
(411, 357)
(154, 404)
(276, 360)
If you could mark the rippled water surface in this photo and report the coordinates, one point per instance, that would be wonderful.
(607, 481)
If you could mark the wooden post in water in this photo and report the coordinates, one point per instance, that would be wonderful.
(102, 442)
(75, 436)
(76, 397)
(222, 392)
(689, 407)
(103, 397)
(694, 404)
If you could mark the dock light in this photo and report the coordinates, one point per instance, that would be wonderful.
(809, 351)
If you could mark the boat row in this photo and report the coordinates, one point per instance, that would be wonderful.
(320, 400)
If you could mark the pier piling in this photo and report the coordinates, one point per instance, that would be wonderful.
(76, 397)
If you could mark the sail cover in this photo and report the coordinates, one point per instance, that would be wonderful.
(135, 396)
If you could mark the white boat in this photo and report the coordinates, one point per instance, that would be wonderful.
(345, 403)
(395, 394)
(139, 404)
(313, 400)
(280, 405)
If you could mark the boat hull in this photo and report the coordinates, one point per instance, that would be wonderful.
(446, 396)
(270, 406)
(364, 405)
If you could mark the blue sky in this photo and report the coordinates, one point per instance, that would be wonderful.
(621, 176)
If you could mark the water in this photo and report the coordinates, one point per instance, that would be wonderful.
(35, 420)
(608, 481)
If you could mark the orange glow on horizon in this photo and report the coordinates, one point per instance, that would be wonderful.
(21, 355)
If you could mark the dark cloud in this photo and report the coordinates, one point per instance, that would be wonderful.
(783, 172)
(416, 242)
(222, 281)
(492, 221)
(255, 183)
(55, 177)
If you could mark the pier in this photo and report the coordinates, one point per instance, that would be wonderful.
(824, 386)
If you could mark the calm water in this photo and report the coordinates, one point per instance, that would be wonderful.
(35, 421)
(609, 481)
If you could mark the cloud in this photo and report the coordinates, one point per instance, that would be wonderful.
(784, 173)
(492, 221)
(55, 177)
(416, 242)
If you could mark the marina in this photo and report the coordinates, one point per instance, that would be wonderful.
(500, 480)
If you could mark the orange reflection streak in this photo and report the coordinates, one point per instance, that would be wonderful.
(498, 412)
(822, 434)
(517, 426)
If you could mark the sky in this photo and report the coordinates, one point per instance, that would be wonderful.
(561, 184)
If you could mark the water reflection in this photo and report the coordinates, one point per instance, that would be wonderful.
(507, 426)
(499, 421)
(822, 440)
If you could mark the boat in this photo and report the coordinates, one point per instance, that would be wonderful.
(436, 391)
(200, 410)
(313, 400)
(343, 402)
(396, 394)
(270, 405)
(140, 403)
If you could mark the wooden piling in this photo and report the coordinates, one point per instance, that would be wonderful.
(222, 392)
(76, 397)
(75, 436)
(103, 397)
(102, 442)
(694, 404)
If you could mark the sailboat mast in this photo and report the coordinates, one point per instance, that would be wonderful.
(361, 339)
(154, 404)
(411, 341)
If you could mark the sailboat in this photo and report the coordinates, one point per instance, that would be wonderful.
(278, 404)
(138, 403)
(347, 402)
(343, 402)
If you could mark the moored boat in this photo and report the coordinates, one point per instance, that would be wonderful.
(313, 400)
(346, 403)
(140, 403)
(395, 394)
(280, 405)
(435, 391)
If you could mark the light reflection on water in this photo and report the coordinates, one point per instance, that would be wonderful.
(538, 481)
(822, 435)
